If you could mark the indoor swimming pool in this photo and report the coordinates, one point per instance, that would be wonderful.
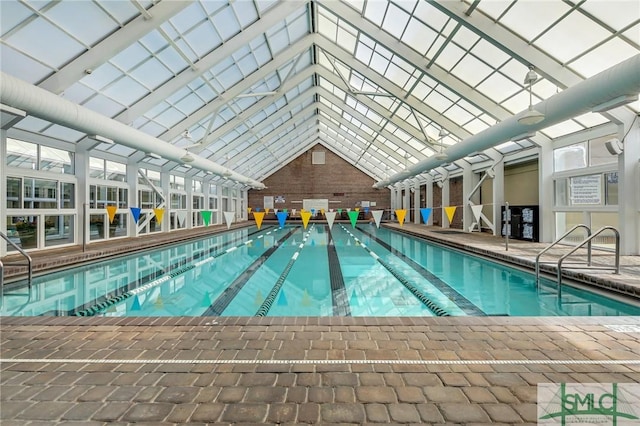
(292, 271)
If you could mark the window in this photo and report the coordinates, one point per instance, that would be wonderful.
(176, 182)
(101, 196)
(587, 190)
(198, 202)
(152, 175)
(178, 201)
(27, 155)
(196, 185)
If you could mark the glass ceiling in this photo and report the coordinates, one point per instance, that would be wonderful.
(256, 83)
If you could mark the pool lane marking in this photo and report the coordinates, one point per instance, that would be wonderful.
(224, 299)
(271, 297)
(339, 296)
(99, 307)
(328, 361)
(462, 302)
(426, 301)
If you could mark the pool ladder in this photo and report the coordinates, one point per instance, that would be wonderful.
(590, 237)
(27, 258)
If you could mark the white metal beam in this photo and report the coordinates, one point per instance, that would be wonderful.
(112, 45)
(274, 15)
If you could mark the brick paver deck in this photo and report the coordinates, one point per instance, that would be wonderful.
(336, 370)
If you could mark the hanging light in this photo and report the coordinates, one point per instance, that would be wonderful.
(441, 155)
(531, 116)
(187, 157)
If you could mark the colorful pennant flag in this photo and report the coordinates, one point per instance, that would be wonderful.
(282, 217)
(266, 211)
(477, 211)
(258, 216)
(330, 218)
(182, 216)
(353, 217)
(135, 211)
(206, 217)
(450, 211)
(111, 211)
(228, 217)
(305, 215)
(425, 212)
(401, 214)
(249, 210)
(159, 214)
(377, 216)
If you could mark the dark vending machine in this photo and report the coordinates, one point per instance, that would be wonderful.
(523, 223)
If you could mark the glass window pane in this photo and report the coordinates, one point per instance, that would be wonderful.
(96, 168)
(598, 153)
(58, 230)
(570, 157)
(40, 194)
(13, 192)
(123, 198)
(56, 160)
(68, 195)
(118, 228)
(21, 154)
(566, 221)
(96, 226)
(24, 230)
(561, 192)
(607, 238)
(116, 171)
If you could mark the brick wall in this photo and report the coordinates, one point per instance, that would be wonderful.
(336, 180)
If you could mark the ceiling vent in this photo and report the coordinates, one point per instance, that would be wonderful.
(317, 157)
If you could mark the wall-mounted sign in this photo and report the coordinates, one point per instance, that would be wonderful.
(586, 189)
(268, 202)
(279, 199)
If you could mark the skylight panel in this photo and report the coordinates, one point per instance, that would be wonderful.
(363, 53)
(438, 102)
(64, 133)
(346, 40)
(126, 91)
(498, 87)
(203, 39)
(379, 63)
(591, 119)
(599, 59)
(529, 19)
(13, 14)
(327, 26)
(564, 128)
(104, 105)
(299, 26)
(450, 56)
(187, 18)
(471, 70)
(476, 126)
(375, 10)
(58, 50)
(458, 115)
(130, 57)
(170, 117)
(278, 41)
(494, 8)
(575, 23)
(395, 20)
(172, 60)
(189, 104)
(245, 11)
(397, 75)
(22, 66)
(151, 73)
(465, 38)
(93, 26)
(418, 36)
(262, 53)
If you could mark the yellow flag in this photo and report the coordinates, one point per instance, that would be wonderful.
(400, 214)
(266, 211)
(159, 213)
(322, 211)
(111, 210)
(249, 210)
(357, 209)
(450, 211)
(305, 215)
(258, 216)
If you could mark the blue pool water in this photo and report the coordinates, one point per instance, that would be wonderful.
(290, 271)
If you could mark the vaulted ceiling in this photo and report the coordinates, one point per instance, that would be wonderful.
(251, 84)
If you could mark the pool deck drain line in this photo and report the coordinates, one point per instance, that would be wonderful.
(426, 301)
(329, 361)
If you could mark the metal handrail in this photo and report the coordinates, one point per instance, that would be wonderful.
(22, 252)
(566, 234)
(588, 241)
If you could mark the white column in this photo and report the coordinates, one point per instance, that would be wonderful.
(82, 194)
(3, 190)
(429, 199)
(406, 202)
(497, 187)
(164, 187)
(629, 193)
(416, 202)
(546, 220)
(132, 180)
(469, 181)
(445, 203)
